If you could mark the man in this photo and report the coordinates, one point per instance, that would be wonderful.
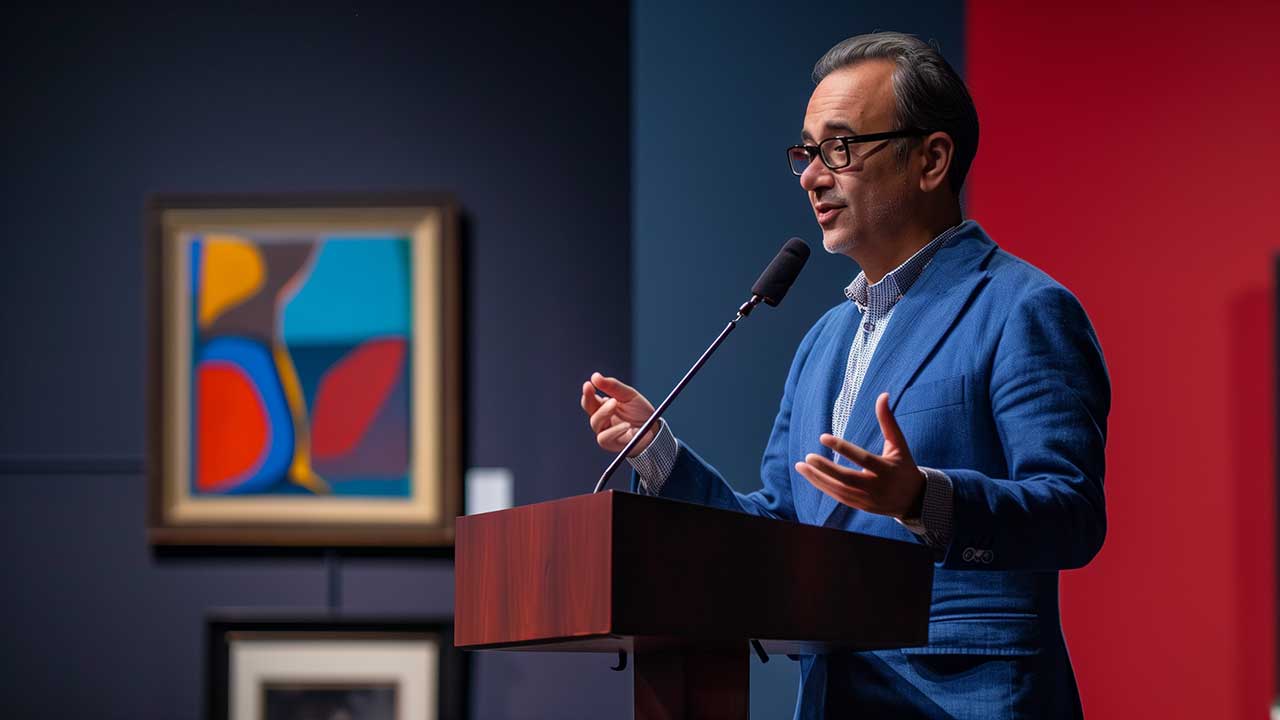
(977, 376)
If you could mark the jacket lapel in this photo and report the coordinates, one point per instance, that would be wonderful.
(815, 416)
(919, 322)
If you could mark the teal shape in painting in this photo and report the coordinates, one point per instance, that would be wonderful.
(357, 288)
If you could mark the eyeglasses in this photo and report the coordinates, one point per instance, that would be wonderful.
(836, 152)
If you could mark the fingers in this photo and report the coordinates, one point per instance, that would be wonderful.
(602, 418)
(614, 437)
(590, 400)
(842, 493)
(889, 425)
(848, 476)
(868, 460)
(613, 386)
(612, 431)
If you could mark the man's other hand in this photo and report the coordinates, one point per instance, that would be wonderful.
(618, 414)
(888, 484)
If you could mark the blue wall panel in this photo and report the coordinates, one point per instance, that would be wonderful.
(719, 90)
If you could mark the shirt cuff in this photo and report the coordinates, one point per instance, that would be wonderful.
(654, 465)
(934, 524)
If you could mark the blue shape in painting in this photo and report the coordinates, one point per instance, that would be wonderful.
(196, 256)
(358, 288)
(311, 363)
(253, 358)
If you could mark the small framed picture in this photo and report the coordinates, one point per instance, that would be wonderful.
(327, 668)
(304, 369)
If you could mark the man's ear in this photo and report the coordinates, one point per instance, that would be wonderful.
(937, 151)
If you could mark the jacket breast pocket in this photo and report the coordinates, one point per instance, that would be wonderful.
(931, 394)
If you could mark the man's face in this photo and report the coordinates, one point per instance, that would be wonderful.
(866, 198)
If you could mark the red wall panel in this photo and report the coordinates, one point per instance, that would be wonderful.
(1132, 153)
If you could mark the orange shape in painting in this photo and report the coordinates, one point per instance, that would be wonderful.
(351, 393)
(232, 432)
(232, 270)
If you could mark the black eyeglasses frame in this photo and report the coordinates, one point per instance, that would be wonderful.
(846, 141)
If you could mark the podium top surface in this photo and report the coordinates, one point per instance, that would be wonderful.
(593, 572)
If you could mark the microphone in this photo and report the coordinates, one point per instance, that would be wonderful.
(769, 288)
(776, 280)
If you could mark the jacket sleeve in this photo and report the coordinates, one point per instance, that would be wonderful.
(1050, 396)
(695, 480)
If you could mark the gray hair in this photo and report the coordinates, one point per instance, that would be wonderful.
(929, 94)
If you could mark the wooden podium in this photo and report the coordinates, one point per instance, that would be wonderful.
(682, 588)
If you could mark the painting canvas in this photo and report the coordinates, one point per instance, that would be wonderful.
(304, 370)
(358, 700)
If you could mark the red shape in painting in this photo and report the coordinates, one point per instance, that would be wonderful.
(232, 432)
(350, 394)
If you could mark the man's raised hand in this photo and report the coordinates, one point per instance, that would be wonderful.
(616, 415)
(888, 484)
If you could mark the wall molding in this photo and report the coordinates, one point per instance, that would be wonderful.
(72, 464)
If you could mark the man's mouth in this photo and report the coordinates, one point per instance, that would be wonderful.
(827, 212)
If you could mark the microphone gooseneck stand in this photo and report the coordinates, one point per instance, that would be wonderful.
(743, 311)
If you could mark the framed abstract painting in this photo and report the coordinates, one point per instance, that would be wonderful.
(304, 369)
(322, 666)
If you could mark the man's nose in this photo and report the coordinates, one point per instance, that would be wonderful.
(815, 176)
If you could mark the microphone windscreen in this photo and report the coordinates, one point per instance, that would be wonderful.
(776, 279)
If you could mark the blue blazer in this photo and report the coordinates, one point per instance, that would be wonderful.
(996, 377)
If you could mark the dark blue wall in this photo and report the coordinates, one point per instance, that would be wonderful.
(719, 90)
(502, 106)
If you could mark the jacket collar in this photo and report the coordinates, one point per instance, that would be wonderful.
(879, 298)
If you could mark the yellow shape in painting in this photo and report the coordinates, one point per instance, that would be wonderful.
(300, 470)
(231, 271)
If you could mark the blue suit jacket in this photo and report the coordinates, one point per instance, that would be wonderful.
(996, 377)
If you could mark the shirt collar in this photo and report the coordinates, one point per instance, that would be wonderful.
(879, 299)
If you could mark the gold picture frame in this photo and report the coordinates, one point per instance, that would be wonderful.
(304, 369)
